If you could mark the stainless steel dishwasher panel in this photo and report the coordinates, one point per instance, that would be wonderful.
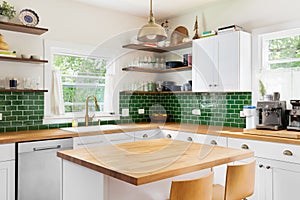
(39, 169)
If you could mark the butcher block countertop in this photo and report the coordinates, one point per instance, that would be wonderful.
(35, 135)
(152, 160)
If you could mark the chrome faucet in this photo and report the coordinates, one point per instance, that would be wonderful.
(87, 117)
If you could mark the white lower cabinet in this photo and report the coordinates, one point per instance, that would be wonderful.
(7, 172)
(276, 178)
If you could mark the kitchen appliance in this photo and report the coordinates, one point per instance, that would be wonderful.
(39, 169)
(294, 116)
(250, 113)
(272, 115)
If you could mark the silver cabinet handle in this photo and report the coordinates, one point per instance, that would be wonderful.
(287, 153)
(145, 135)
(244, 146)
(189, 139)
(46, 148)
(169, 136)
(213, 142)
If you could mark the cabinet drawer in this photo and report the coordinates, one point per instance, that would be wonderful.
(269, 150)
(7, 152)
(117, 138)
(148, 134)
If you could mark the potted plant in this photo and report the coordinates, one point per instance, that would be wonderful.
(6, 12)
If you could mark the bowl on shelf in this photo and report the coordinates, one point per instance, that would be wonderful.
(174, 64)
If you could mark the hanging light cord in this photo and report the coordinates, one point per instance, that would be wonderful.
(151, 20)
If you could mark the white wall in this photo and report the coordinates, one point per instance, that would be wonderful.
(68, 22)
(255, 16)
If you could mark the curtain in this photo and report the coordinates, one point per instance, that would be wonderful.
(109, 88)
(57, 100)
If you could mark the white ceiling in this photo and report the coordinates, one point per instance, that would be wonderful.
(161, 8)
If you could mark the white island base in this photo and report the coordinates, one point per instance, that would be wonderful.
(82, 183)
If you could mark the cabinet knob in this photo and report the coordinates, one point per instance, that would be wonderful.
(268, 167)
(145, 135)
(210, 85)
(213, 142)
(189, 139)
(169, 136)
(244, 146)
(260, 166)
(287, 153)
(215, 85)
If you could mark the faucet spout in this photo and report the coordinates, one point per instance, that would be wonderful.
(87, 117)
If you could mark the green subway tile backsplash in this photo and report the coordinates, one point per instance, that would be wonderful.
(218, 109)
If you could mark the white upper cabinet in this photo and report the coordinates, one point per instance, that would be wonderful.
(222, 63)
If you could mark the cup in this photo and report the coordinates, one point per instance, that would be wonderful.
(190, 60)
(276, 96)
(2, 83)
(185, 59)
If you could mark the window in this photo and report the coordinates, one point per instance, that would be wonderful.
(81, 76)
(282, 50)
(73, 73)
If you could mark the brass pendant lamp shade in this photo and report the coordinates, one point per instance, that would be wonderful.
(152, 32)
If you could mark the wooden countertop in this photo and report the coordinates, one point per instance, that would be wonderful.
(152, 160)
(25, 136)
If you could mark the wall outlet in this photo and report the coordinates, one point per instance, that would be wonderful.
(196, 112)
(125, 112)
(242, 114)
(0, 116)
(141, 111)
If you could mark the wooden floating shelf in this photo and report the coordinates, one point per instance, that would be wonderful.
(139, 69)
(22, 29)
(163, 92)
(158, 49)
(21, 90)
(24, 60)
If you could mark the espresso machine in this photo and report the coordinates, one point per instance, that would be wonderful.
(294, 116)
(272, 115)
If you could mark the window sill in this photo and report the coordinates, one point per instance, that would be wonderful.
(58, 119)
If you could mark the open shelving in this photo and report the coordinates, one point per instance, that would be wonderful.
(162, 92)
(22, 29)
(148, 70)
(23, 60)
(21, 90)
(143, 47)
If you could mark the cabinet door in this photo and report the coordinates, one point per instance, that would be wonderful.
(228, 74)
(7, 180)
(286, 181)
(205, 64)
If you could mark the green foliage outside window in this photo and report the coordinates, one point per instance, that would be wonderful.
(81, 77)
(283, 49)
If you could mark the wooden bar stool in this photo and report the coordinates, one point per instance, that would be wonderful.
(193, 189)
(239, 183)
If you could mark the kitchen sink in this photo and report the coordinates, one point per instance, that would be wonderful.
(86, 129)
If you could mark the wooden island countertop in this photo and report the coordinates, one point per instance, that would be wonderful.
(147, 161)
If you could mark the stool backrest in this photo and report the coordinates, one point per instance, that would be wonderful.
(240, 181)
(193, 189)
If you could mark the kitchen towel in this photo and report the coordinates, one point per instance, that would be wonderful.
(57, 103)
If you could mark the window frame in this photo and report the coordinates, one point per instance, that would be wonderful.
(55, 47)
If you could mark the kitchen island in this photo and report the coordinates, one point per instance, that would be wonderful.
(138, 170)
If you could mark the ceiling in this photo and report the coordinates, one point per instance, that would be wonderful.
(161, 8)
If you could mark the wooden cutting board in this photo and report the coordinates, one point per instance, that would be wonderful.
(280, 133)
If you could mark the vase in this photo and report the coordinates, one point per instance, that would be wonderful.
(3, 18)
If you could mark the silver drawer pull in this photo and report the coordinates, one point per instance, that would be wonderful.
(88, 143)
(189, 139)
(145, 135)
(169, 136)
(46, 148)
(244, 146)
(287, 153)
(213, 142)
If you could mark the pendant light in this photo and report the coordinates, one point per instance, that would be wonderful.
(151, 32)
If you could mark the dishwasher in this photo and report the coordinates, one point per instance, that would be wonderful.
(39, 169)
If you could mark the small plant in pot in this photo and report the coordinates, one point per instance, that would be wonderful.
(6, 11)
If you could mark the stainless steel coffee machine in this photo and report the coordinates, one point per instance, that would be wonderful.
(294, 116)
(272, 115)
